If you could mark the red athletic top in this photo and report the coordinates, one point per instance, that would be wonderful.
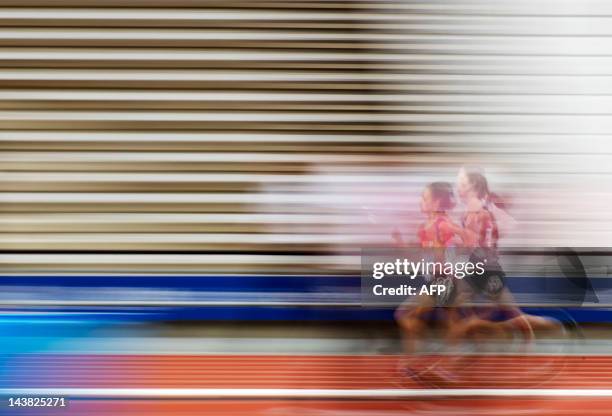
(482, 222)
(435, 233)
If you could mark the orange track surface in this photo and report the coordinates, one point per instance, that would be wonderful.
(308, 372)
(313, 372)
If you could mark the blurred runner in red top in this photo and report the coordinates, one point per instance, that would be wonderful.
(438, 231)
(480, 231)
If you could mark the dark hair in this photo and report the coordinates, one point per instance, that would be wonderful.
(481, 187)
(443, 193)
(479, 184)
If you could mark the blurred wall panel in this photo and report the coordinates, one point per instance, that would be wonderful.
(285, 135)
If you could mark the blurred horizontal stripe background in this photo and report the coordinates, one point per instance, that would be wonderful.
(282, 136)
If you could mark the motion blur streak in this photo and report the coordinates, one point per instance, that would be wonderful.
(278, 372)
(281, 126)
(461, 407)
(181, 178)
